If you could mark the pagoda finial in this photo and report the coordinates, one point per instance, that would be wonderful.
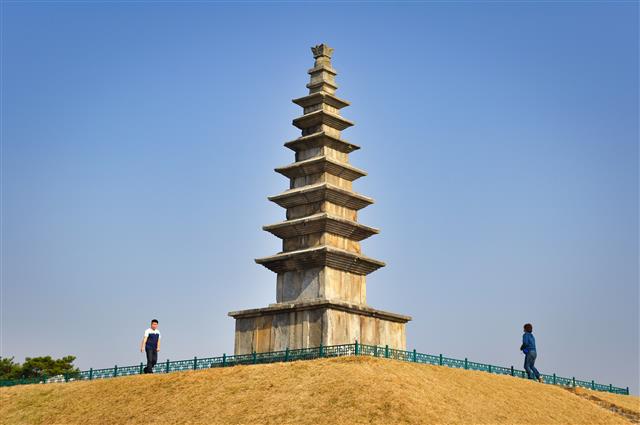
(322, 54)
(322, 50)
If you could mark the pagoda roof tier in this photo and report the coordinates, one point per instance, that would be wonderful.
(321, 97)
(321, 222)
(320, 139)
(320, 84)
(321, 164)
(305, 259)
(322, 117)
(321, 192)
(323, 67)
(320, 303)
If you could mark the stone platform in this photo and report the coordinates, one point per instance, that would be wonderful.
(316, 322)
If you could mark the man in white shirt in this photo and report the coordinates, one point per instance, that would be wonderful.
(151, 345)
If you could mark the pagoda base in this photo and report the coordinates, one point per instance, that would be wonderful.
(316, 322)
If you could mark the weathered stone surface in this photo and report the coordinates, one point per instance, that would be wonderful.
(321, 118)
(321, 192)
(324, 283)
(319, 140)
(320, 285)
(323, 223)
(318, 164)
(309, 324)
(319, 256)
(321, 99)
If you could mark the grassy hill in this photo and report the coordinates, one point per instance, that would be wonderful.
(359, 390)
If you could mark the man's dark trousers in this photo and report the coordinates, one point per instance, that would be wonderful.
(152, 359)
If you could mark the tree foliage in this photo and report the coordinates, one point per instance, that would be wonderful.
(34, 367)
(9, 369)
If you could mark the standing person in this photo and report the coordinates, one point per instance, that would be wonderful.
(528, 347)
(151, 345)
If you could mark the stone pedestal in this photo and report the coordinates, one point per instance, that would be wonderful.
(311, 323)
(321, 288)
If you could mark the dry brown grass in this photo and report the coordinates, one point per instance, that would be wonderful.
(342, 390)
(628, 407)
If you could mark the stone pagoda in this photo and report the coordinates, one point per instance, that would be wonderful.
(321, 289)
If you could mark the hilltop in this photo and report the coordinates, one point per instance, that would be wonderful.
(357, 390)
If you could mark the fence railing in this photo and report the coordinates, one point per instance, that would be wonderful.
(355, 349)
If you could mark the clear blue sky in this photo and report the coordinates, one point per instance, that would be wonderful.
(501, 141)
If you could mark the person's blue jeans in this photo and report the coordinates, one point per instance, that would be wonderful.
(529, 361)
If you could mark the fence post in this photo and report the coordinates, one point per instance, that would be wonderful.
(440, 360)
(195, 362)
(141, 369)
(512, 374)
(375, 351)
(593, 384)
(489, 368)
(255, 358)
(610, 388)
(357, 352)
(286, 354)
(90, 374)
(321, 350)
(574, 381)
(627, 390)
(224, 359)
(554, 379)
(166, 370)
(466, 363)
(66, 377)
(415, 357)
(115, 371)
(386, 351)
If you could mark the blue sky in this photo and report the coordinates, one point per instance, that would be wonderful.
(501, 141)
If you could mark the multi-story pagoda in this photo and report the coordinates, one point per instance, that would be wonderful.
(321, 289)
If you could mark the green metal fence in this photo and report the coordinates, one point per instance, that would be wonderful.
(355, 349)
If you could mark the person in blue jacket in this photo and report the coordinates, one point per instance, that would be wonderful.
(528, 347)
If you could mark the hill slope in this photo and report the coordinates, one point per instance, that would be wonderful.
(339, 390)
